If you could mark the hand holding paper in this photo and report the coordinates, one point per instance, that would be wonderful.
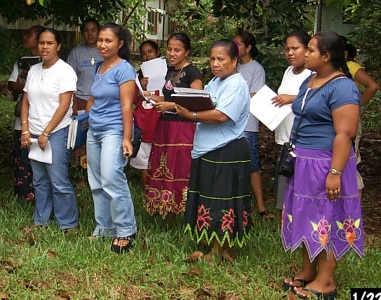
(263, 108)
(36, 153)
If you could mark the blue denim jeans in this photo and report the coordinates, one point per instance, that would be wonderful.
(53, 189)
(252, 139)
(113, 207)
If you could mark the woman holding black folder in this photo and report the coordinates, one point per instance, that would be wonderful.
(218, 208)
(170, 159)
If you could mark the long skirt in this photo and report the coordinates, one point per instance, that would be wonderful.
(169, 168)
(23, 175)
(219, 200)
(309, 217)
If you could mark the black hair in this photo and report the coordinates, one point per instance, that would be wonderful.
(330, 42)
(302, 36)
(230, 45)
(182, 37)
(89, 20)
(37, 29)
(249, 40)
(352, 52)
(120, 33)
(153, 44)
(56, 34)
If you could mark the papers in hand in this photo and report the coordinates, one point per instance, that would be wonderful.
(36, 153)
(265, 110)
(155, 70)
(192, 99)
(141, 90)
(78, 131)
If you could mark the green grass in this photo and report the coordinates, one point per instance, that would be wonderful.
(46, 264)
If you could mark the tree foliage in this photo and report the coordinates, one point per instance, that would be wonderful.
(58, 12)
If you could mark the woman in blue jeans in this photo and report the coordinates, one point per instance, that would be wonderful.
(46, 115)
(109, 139)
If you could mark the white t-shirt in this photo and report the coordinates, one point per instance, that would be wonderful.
(290, 86)
(44, 87)
(255, 76)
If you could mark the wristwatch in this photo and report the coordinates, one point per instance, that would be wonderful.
(335, 172)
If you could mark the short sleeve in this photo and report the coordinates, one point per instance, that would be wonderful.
(67, 80)
(125, 73)
(344, 91)
(193, 74)
(14, 74)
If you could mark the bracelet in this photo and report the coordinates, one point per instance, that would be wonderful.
(194, 116)
(334, 172)
(25, 132)
(45, 134)
(23, 122)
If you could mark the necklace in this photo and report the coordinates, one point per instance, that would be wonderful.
(92, 61)
(101, 74)
(314, 85)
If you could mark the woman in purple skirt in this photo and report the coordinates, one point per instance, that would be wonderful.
(322, 210)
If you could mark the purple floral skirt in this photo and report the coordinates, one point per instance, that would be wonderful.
(219, 200)
(309, 217)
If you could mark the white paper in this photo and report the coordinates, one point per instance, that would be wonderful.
(155, 70)
(265, 110)
(141, 91)
(36, 153)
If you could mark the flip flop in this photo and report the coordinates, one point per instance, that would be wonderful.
(287, 286)
(316, 295)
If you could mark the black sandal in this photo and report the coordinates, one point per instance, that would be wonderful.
(266, 215)
(122, 249)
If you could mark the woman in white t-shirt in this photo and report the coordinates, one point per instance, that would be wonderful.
(45, 116)
(295, 50)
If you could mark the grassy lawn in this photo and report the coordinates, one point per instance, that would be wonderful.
(46, 264)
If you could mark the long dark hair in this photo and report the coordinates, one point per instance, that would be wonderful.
(120, 33)
(332, 43)
(153, 44)
(249, 40)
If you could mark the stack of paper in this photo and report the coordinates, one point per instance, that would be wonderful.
(35, 152)
(78, 131)
(265, 110)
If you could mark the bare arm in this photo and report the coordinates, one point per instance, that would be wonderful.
(16, 87)
(127, 93)
(368, 83)
(283, 99)
(345, 122)
(212, 116)
(90, 103)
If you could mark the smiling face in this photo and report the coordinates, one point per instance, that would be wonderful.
(48, 47)
(295, 52)
(221, 64)
(176, 53)
(90, 34)
(314, 60)
(108, 43)
(148, 52)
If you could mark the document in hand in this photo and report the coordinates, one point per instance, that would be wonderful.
(155, 70)
(78, 131)
(265, 111)
(192, 99)
(36, 153)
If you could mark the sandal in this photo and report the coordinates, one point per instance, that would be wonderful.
(318, 295)
(287, 286)
(122, 249)
(266, 215)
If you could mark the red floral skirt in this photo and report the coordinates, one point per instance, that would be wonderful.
(169, 167)
(219, 199)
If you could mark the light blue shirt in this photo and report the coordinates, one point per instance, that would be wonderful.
(106, 112)
(232, 98)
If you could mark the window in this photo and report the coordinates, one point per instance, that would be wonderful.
(152, 22)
